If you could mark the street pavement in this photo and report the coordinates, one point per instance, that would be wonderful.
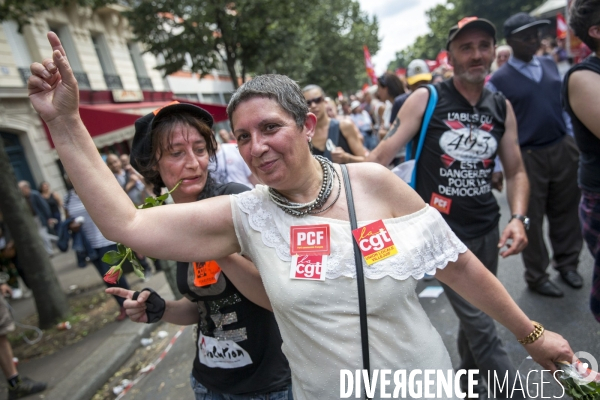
(569, 316)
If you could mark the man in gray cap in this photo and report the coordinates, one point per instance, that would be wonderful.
(533, 85)
(468, 127)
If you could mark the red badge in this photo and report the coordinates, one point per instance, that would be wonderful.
(206, 273)
(309, 239)
(440, 203)
(374, 242)
(309, 267)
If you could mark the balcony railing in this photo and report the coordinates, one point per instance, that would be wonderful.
(113, 81)
(25, 74)
(82, 80)
(145, 83)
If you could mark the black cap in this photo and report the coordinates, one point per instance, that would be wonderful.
(521, 21)
(470, 23)
(142, 141)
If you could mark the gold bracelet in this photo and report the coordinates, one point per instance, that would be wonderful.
(533, 336)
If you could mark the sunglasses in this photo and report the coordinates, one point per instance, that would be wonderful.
(316, 100)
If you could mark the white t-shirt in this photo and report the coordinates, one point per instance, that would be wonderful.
(230, 166)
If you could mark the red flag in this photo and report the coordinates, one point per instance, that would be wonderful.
(561, 26)
(369, 65)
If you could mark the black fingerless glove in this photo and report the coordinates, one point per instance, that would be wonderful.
(155, 305)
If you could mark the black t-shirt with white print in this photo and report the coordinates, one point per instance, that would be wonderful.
(454, 173)
(238, 346)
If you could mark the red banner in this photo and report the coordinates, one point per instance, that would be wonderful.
(369, 66)
(561, 26)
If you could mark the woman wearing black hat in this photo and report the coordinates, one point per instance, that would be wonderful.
(175, 144)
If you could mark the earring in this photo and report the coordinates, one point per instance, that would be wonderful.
(309, 139)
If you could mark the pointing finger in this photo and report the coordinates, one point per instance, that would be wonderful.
(55, 43)
(117, 291)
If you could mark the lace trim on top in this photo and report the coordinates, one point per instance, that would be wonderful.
(424, 240)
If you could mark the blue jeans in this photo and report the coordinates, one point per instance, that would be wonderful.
(202, 393)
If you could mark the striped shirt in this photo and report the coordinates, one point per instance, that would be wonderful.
(75, 208)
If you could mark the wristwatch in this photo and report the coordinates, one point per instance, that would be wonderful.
(524, 219)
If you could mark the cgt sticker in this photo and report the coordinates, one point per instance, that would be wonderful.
(309, 267)
(374, 242)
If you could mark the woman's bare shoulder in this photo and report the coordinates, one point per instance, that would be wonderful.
(378, 185)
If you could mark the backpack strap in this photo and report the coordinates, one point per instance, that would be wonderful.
(431, 103)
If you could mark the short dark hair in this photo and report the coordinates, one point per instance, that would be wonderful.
(279, 88)
(393, 84)
(583, 15)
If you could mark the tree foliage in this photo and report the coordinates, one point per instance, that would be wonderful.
(22, 11)
(322, 46)
(312, 42)
(443, 16)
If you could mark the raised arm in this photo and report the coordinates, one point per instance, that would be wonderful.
(469, 278)
(188, 232)
(517, 185)
(405, 127)
(349, 130)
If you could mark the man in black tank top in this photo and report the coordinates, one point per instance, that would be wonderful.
(469, 126)
(343, 134)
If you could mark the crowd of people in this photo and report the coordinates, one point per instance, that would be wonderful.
(297, 160)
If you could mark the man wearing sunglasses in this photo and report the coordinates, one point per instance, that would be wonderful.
(338, 140)
(533, 86)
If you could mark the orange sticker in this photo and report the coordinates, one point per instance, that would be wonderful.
(374, 242)
(440, 203)
(206, 273)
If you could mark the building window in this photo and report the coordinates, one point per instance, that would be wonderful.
(188, 96)
(112, 79)
(19, 49)
(139, 66)
(214, 98)
(69, 45)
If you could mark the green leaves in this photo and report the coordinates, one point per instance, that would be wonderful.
(589, 391)
(112, 257)
(123, 253)
(442, 17)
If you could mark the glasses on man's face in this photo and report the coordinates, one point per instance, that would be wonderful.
(316, 100)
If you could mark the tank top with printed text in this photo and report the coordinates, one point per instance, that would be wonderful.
(454, 173)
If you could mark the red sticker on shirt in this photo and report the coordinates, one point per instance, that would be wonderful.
(309, 267)
(309, 239)
(374, 242)
(206, 273)
(440, 203)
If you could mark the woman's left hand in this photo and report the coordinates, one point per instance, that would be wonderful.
(52, 86)
(549, 349)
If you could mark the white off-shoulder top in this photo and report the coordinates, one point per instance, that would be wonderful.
(319, 320)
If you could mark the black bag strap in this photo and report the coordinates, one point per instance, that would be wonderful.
(360, 278)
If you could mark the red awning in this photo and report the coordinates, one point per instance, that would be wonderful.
(104, 119)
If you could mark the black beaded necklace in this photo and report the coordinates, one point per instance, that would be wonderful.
(315, 206)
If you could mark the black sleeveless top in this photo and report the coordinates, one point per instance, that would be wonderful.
(336, 136)
(52, 203)
(241, 350)
(454, 173)
(588, 143)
